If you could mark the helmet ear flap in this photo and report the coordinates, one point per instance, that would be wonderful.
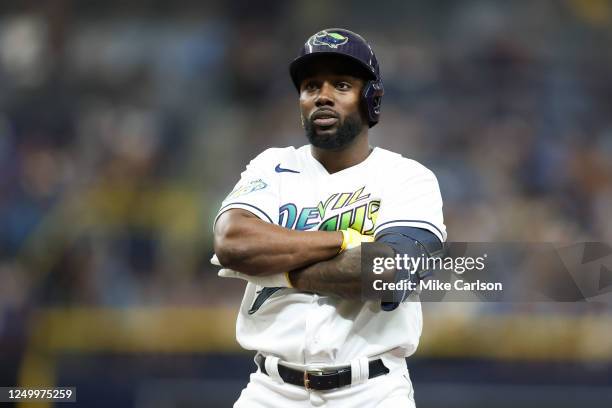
(371, 99)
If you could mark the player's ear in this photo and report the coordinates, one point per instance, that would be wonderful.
(302, 120)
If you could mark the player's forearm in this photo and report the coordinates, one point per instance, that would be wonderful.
(339, 276)
(249, 245)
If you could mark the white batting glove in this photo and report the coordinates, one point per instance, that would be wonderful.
(215, 261)
(278, 280)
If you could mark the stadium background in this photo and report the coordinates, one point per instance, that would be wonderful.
(124, 124)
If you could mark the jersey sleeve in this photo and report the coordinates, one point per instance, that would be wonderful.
(412, 199)
(256, 191)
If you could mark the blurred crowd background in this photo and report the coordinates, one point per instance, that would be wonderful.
(124, 124)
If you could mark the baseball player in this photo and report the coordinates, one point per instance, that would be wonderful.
(293, 227)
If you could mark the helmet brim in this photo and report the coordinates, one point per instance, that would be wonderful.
(299, 65)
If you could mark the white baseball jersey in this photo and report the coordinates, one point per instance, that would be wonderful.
(290, 188)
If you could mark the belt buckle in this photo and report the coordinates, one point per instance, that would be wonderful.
(307, 373)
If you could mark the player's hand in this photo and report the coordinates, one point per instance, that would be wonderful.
(352, 239)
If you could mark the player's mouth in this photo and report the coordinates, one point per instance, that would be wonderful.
(324, 117)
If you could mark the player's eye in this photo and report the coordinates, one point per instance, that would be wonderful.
(309, 86)
(343, 86)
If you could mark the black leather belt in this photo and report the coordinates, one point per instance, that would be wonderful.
(321, 379)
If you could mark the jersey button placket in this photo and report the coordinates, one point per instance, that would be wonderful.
(311, 334)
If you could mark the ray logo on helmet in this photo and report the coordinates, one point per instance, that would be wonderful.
(332, 40)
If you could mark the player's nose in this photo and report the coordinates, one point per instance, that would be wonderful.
(325, 97)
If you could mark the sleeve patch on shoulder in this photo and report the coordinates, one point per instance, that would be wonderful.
(246, 188)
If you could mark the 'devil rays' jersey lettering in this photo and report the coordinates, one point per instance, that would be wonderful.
(338, 212)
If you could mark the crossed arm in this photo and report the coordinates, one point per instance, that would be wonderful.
(339, 276)
(247, 244)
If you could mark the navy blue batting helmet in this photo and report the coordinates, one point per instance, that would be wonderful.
(345, 43)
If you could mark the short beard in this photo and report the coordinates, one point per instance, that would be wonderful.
(346, 132)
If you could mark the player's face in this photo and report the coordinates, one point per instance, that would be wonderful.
(329, 105)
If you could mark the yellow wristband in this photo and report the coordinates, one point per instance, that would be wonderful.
(352, 238)
(288, 279)
(345, 240)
